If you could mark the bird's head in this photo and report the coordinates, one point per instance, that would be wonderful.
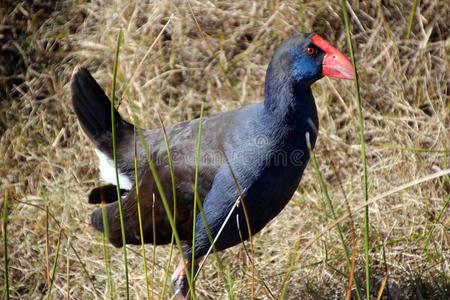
(305, 58)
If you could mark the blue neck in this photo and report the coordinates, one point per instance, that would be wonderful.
(290, 103)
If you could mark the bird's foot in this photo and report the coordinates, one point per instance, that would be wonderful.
(180, 282)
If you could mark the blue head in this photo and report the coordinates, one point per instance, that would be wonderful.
(298, 62)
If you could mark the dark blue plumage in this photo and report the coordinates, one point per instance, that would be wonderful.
(264, 143)
(273, 153)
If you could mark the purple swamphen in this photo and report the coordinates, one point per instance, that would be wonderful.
(265, 145)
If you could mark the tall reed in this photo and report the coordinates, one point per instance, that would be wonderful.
(114, 136)
(363, 151)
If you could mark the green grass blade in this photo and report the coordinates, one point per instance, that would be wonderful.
(152, 167)
(363, 152)
(291, 268)
(196, 198)
(326, 198)
(119, 198)
(324, 190)
(165, 203)
(68, 269)
(174, 196)
(52, 279)
(200, 206)
(136, 178)
(226, 279)
(158, 185)
(443, 209)
(411, 19)
(154, 245)
(5, 243)
(157, 181)
(47, 246)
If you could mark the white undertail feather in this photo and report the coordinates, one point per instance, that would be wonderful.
(108, 173)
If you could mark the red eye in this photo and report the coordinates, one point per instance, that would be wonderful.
(310, 51)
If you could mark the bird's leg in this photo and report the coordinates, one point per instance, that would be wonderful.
(179, 279)
(180, 282)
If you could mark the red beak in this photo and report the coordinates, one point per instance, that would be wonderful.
(334, 64)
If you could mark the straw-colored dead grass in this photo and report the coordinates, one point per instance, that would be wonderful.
(47, 161)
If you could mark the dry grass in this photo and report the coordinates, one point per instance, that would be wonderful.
(46, 160)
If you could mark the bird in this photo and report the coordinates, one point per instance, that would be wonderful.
(255, 154)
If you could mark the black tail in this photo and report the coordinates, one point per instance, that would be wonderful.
(93, 110)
